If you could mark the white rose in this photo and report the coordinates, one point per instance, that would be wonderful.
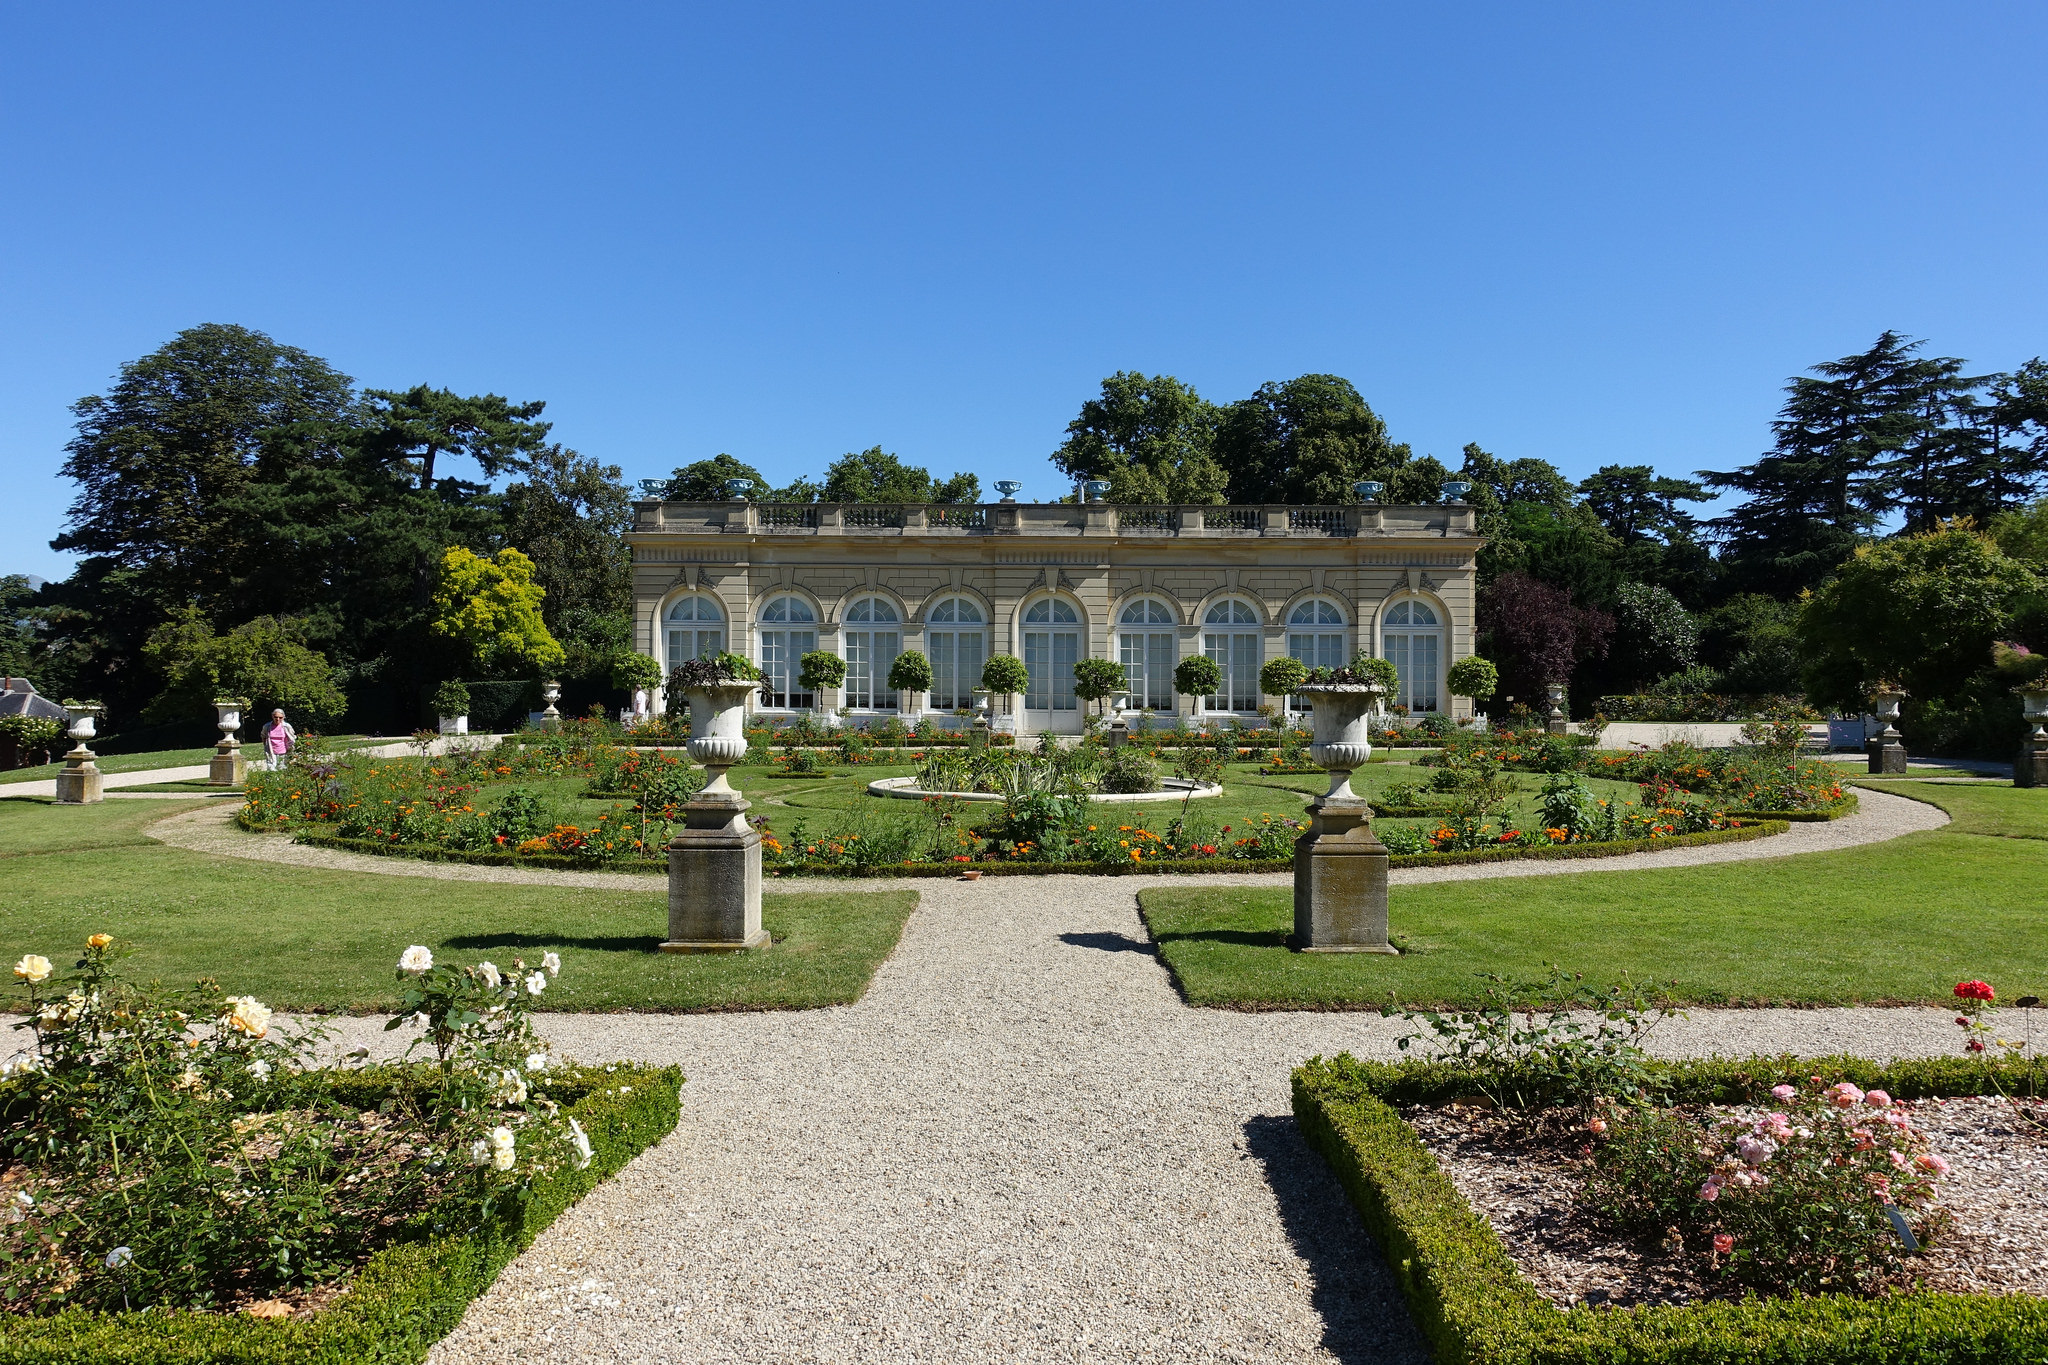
(536, 1061)
(552, 962)
(511, 1088)
(415, 959)
(502, 1153)
(536, 983)
(248, 1015)
(489, 972)
(32, 968)
(479, 1153)
(260, 1069)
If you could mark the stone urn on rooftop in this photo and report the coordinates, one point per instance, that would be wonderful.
(714, 860)
(1340, 866)
(80, 783)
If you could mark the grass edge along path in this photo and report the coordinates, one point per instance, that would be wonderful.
(1473, 1304)
(401, 1300)
(1896, 922)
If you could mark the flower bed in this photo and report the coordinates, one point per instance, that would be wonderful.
(1474, 1304)
(144, 1123)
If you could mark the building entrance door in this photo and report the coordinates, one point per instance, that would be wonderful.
(1052, 646)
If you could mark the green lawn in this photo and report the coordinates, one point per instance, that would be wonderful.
(303, 938)
(117, 763)
(1899, 921)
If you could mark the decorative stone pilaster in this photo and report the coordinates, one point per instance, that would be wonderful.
(1340, 866)
(1555, 721)
(2030, 766)
(714, 860)
(80, 783)
(228, 768)
(1887, 750)
(551, 692)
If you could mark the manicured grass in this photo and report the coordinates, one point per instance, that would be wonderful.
(116, 763)
(2003, 810)
(1893, 922)
(312, 939)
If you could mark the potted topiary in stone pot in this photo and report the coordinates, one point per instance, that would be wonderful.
(451, 707)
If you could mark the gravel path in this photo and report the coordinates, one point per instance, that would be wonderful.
(1019, 1145)
(1880, 816)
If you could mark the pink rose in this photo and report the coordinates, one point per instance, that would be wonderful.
(1877, 1099)
(1723, 1243)
(1598, 1125)
(1842, 1095)
(1784, 1092)
(1930, 1163)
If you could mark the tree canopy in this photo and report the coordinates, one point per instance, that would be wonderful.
(1150, 437)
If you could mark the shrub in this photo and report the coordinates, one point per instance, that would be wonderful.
(1269, 838)
(723, 667)
(1198, 675)
(1281, 676)
(911, 672)
(1472, 677)
(1098, 679)
(631, 671)
(1199, 765)
(451, 698)
(1128, 770)
(1005, 675)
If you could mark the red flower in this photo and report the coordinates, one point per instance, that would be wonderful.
(1974, 990)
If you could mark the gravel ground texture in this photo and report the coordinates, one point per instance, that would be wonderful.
(1526, 1182)
(1879, 816)
(1019, 1145)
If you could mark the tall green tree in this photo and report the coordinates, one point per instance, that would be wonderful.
(1636, 504)
(711, 481)
(1305, 440)
(873, 475)
(416, 426)
(570, 516)
(1150, 437)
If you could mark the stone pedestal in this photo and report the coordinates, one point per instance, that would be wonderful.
(2030, 767)
(1887, 754)
(551, 692)
(1555, 721)
(80, 784)
(1340, 881)
(227, 768)
(714, 861)
(1119, 734)
(977, 733)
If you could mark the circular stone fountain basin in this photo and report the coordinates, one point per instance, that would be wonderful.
(1171, 788)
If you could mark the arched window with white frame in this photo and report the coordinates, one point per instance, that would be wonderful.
(1413, 639)
(787, 630)
(956, 641)
(695, 626)
(1052, 646)
(1230, 636)
(873, 635)
(1316, 635)
(1145, 647)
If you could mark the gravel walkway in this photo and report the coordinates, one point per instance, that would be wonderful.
(1880, 816)
(1019, 1145)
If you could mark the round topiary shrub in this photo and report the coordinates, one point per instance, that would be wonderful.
(911, 672)
(1128, 770)
(1281, 676)
(451, 699)
(820, 669)
(1198, 675)
(1472, 677)
(1005, 675)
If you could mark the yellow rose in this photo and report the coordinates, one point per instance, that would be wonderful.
(33, 968)
(99, 940)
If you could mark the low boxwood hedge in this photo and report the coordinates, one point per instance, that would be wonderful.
(404, 1298)
(1476, 1308)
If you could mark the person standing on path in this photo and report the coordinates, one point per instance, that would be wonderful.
(278, 739)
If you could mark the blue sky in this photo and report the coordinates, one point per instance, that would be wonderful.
(1592, 234)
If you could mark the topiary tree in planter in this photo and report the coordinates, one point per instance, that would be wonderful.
(911, 672)
(819, 670)
(1281, 676)
(1005, 675)
(1472, 677)
(1198, 675)
(631, 672)
(1097, 680)
(451, 699)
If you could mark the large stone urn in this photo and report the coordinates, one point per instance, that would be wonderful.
(551, 692)
(2030, 766)
(1887, 750)
(1340, 866)
(80, 782)
(228, 768)
(1555, 721)
(714, 860)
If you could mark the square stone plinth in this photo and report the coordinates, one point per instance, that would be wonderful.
(1887, 759)
(227, 770)
(714, 882)
(1340, 882)
(2030, 767)
(81, 785)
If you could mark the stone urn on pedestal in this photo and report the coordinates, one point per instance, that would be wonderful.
(714, 860)
(1555, 722)
(2030, 766)
(80, 783)
(1887, 749)
(1340, 866)
(551, 692)
(228, 768)
(977, 732)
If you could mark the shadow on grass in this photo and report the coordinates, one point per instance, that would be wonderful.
(1110, 943)
(1237, 938)
(597, 943)
(1364, 1315)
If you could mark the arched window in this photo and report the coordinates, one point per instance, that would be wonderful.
(1315, 635)
(874, 637)
(1414, 643)
(1230, 636)
(696, 627)
(956, 641)
(788, 631)
(1146, 650)
(1052, 645)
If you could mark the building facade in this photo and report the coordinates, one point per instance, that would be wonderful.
(1053, 583)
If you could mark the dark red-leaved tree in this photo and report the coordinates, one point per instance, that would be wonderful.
(1538, 634)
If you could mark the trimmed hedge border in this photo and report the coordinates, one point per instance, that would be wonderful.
(1184, 866)
(1474, 1305)
(404, 1298)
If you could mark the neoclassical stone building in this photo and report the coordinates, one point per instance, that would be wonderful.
(1053, 583)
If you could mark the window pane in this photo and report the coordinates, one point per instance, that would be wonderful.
(1159, 670)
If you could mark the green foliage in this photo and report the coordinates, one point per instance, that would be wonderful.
(911, 672)
(1922, 610)
(451, 698)
(1279, 677)
(1098, 679)
(1472, 677)
(1197, 675)
(820, 669)
(1653, 634)
(632, 670)
(874, 476)
(491, 607)
(1635, 505)
(1005, 675)
(1307, 440)
(570, 516)
(710, 481)
(415, 427)
(1150, 437)
(724, 666)
(264, 660)
(1128, 769)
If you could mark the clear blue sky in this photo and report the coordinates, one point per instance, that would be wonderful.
(1592, 234)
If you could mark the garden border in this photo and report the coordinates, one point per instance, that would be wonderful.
(1475, 1307)
(402, 1299)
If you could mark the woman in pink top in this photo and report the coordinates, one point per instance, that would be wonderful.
(278, 739)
